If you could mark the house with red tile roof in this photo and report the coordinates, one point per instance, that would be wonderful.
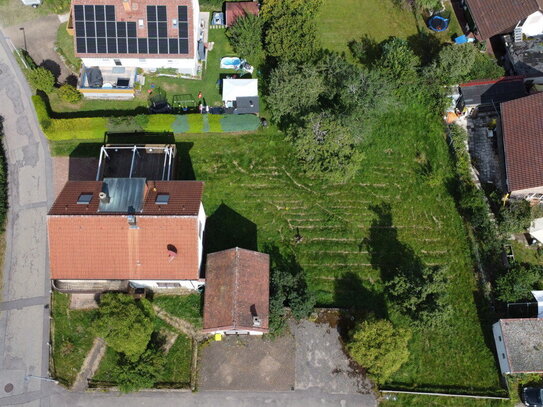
(236, 299)
(493, 17)
(117, 231)
(236, 9)
(119, 36)
(522, 144)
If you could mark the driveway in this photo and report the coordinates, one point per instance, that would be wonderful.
(41, 35)
(248, 363)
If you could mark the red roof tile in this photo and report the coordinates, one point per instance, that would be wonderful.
(522, 125)
(494, 17)
(235, 9)
(237, 288)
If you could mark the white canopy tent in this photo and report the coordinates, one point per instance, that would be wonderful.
(235, 88)
(533, 25)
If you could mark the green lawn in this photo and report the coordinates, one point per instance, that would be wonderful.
(187, 307)
(172, 86)
(72, 338)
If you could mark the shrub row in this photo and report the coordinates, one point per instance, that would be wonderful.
(86, 128)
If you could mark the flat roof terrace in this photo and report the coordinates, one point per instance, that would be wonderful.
(155, 162)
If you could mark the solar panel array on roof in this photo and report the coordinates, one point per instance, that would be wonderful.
(97, 32)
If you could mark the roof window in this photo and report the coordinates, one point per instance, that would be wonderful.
(162, 199)
(84, 199)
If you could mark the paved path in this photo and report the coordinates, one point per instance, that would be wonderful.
(24, 315)
(90, 365)
(24, 319)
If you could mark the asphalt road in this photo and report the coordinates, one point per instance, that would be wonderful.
(24, 313)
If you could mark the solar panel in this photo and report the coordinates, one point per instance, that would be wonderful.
(182, 12)
(142, 45)
(99, 13)
(78, 13)
(174, 46)
(100, 29)
(101, 45)
(121, 29)
(91, 45)
(152, 31)
(110, 13)
(163, 46)
(112, 45)
(161, 13)
(162, 29)
(90, 31)
(89, 13)
(121, 45)
(97, 31)
(183, 30)
(81, 45)
(153, 46)
(131, 29)
(183, 46)
(151, 13)
(132, 45)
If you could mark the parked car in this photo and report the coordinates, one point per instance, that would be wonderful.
(532, 396)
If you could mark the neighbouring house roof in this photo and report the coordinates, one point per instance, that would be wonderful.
(525, 57)
(522, 128)
(236, 9)
(158, 242)
(235, 88)
(133, 28)
(237, 289)
(523, 340)
(184, 197)
(494, 17)
(493, 92)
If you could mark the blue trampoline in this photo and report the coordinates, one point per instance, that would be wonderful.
(438, 23)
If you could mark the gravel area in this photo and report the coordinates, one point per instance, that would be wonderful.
(321, 362)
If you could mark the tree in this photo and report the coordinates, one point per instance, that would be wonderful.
(143, 373)
(293, 91)
(290, 30)
(288, 288)
(42, 79)
(398, 58)
(69, 94)
(420, 294)
(518, 282)
(379, 347)
(515, 216)
(325, 147)
(125, 324)
(246, 39)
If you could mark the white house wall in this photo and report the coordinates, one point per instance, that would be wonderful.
(196, 29)
(500, 348)
(187, 66)
(201, 230)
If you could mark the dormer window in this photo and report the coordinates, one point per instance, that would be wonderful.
(84, 199)
(162, 199)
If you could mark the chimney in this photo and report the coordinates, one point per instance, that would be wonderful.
(257, 322)
(104, 198)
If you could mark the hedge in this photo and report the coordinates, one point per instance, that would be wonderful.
(87, 128)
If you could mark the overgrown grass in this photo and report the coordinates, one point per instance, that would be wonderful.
(72, 338)
(178, 363)
(187, 307)
(65, 47)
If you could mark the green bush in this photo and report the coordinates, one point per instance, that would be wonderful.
(518, 282)
(379, 347)
(82, 128)
(515, 216)
(41, 112)
(69, 94)
(42, 79)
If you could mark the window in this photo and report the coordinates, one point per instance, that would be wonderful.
(162, 199)
(84, 199)
(503, 355)
(200, 229)
(168, 285)
(117, 62)
(499, 338)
